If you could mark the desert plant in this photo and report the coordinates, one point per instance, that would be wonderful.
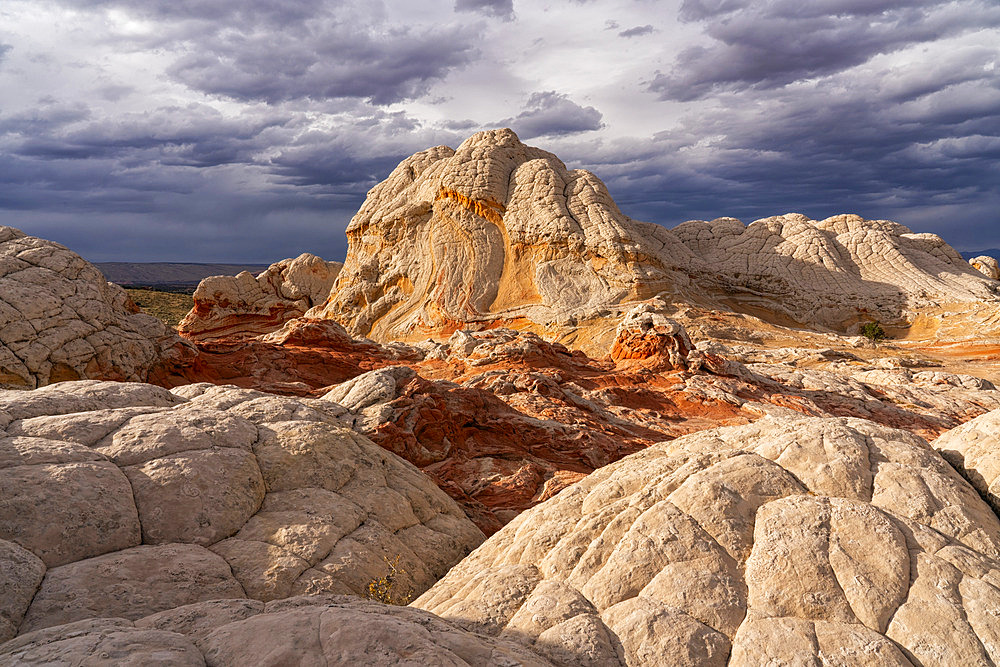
(873, 331)
(383, 589)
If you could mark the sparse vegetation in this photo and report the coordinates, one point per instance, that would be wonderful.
(171, 307)
(873, 331)
(383, 589)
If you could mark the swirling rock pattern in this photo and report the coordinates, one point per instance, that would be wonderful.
(497, 232)
(246, 306)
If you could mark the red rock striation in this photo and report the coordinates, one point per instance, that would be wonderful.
(502, 419)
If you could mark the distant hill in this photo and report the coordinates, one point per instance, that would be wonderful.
(172, 276)
(992, 252)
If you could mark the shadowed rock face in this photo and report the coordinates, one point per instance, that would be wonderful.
(131, 499)
(61, 320)
(776, 542)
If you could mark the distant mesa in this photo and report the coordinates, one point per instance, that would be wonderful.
(172, 275)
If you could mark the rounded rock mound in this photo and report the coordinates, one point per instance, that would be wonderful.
(786, 541)
(244, 306)
(125, 499)
(316, 630)
(61, 320)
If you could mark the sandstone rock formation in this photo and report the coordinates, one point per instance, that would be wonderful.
(245, 306)
(493, 231)
(974, 450)
(986, 265)
(497, 232)
(835, 271)
(131, 499)
(833, 541)
(315, 630)
(502, 420)
(61, 320)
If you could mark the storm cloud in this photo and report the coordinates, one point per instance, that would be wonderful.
(551, 113)
(218, 131)
(777, 42)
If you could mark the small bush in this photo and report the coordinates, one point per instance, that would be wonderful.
(383, 590)
(873, 331)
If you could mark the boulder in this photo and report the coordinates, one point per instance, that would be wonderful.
(132, 500)
(788, 541)
(61, 320)
(246, 306)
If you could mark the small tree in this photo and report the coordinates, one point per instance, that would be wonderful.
(873, 331)
(382, 589)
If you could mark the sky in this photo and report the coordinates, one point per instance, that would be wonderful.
(221, 131)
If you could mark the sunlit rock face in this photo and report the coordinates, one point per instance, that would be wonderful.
(245, 306)
(788, 541)
(61, 320)
(986, 265)
(124, 499)
(500, 233)
(495, 230)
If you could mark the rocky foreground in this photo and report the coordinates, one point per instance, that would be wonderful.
(558, 435)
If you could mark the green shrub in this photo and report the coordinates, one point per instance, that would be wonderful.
(873, 331)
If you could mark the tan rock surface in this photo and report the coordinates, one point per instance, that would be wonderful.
(497, 232)
(247, 306)
(787, 541)
(139, 500)
(61, 320)
(303, 631)
(986, 265)
(974, 449)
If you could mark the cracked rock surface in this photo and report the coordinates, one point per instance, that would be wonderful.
(125, 499)
(786, 541)
(61, 320)
(316, 630)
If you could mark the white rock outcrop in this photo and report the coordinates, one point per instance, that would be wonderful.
(986, 265)
(493, 230)
(974, 449)
(497, 231)
(787, 541)
(247, 306)
(61, 320)
(131, 499)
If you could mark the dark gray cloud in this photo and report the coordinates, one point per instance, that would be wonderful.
(4, 48)
(914, 144)
(551, 113)
(275, 51)
(336, 62)
(637, 31)
(500, 8)
(776, 42)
